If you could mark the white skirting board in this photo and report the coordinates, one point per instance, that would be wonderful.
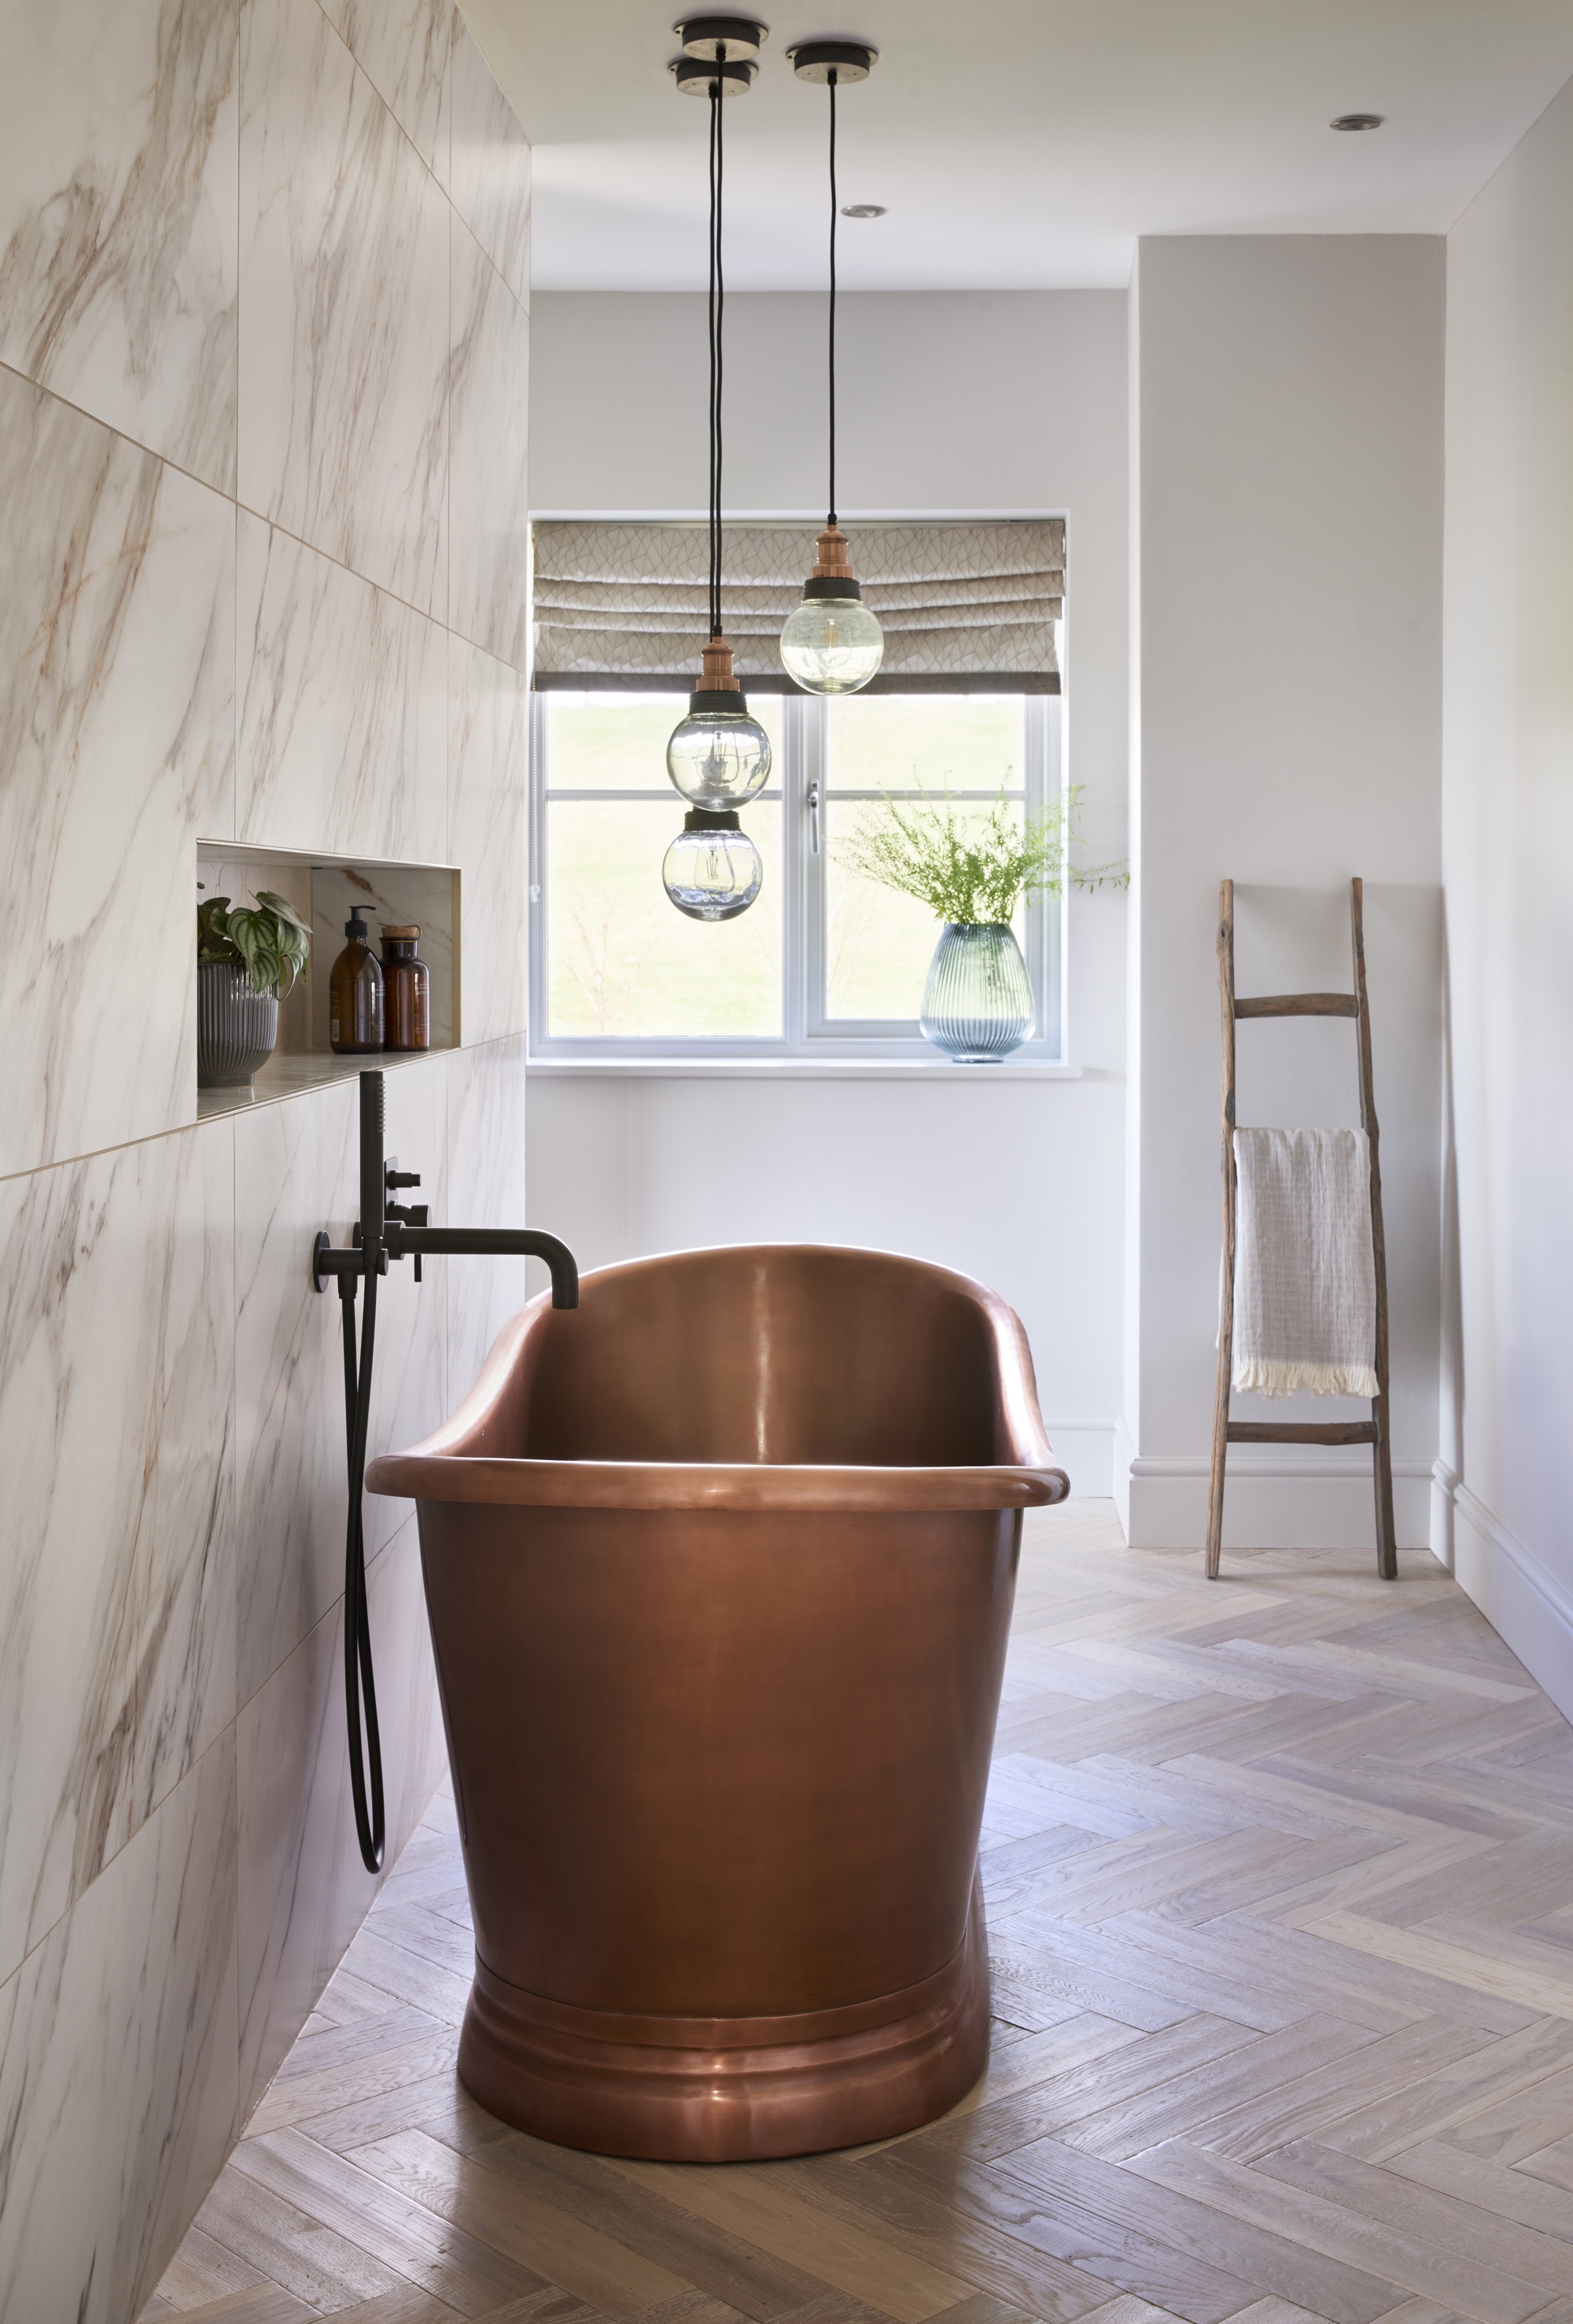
(1273, 1500)
(1084, 1449)
(1525, 1604)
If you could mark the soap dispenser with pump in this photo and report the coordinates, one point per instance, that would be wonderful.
(355, 998)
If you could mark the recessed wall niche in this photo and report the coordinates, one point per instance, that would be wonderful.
(324, 891)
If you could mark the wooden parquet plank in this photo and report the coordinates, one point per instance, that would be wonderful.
(599, 2269)
(1477, 1972)
(408, 2238)
(720, 2265)
(1450, 2222)
(762, 2209)
(1509, 2194)
(371, 2075)
(910, 2218)
(1280, 1906)
(1086, 2088)
(1137, 2261)
(1468, 2086)
(1384, 2069)
(1245, 2196)
(1189, 2101)
(1276, 2266)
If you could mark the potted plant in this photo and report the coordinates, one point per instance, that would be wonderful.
(245, 956)
(971, 872)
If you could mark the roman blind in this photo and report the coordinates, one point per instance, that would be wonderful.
(965, 607)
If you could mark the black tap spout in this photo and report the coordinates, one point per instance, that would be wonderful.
(480, 1241)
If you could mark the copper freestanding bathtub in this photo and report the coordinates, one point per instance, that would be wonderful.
(720, 1569)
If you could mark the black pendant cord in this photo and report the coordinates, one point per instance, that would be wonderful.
(719, 300)
(366, 1768)
(833, 213)
(717, 357)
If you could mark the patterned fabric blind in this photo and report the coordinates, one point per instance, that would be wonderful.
(964, 607)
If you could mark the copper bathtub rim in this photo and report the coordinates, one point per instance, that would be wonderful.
(707, 1485)
(433, 1471)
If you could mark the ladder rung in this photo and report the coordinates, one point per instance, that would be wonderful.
(1302, 1432)
(1298, 1004)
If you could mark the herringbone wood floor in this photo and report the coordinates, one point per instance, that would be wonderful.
(1281, 1892)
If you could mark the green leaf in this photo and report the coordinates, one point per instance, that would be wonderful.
(271, 942)
(924, 852)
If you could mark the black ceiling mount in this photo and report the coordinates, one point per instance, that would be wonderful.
(737, 39)
(850, 60)
(1359, 121)
(696, 77)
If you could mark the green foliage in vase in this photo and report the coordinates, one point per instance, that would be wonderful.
(972, 871)
(270, 943)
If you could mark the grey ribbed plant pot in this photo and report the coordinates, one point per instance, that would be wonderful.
(237, 1026)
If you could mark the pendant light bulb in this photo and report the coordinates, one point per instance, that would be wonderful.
(712, 870)
(718, 756)
(831, 643)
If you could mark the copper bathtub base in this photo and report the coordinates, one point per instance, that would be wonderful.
(710, 2089)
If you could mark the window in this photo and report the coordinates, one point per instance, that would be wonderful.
(824, 963)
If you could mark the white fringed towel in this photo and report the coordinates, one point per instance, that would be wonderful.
(1305, 1275)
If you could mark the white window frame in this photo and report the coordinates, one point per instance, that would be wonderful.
(806, 1036)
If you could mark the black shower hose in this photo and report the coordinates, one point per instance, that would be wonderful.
(365, 1765)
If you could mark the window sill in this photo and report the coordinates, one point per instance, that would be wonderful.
(937, 1070)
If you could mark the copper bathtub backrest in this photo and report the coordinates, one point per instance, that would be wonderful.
(750, 1377)
(762, 1354)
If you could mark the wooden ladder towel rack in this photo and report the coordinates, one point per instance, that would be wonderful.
(1374, 1432)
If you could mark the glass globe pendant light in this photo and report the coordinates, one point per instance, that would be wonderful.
(712, 870)
(718, 758)
(831, 643)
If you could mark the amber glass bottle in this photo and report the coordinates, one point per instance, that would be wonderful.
(408, 983)
(355, 1006)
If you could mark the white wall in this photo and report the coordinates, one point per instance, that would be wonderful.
(949, 402)
(1507, 846)
(1288, 506)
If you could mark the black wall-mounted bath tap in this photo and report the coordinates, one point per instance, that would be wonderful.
(392, 1230)
(402, 1231)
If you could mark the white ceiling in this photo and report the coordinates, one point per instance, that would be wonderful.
(1015, 144)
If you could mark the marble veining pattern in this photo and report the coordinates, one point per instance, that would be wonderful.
(486, 1188)
(490, 162)
(116, 1616)
(119, 2032)
(116, 747)
(118, 126)
(488, 482)
(295, 1172)
(226, 252)
(303, 1888)
(489, 727)
(402, 48)
(342, 708)
(344, 316)
(185, 1576)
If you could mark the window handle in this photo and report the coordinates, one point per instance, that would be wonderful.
(813, 818)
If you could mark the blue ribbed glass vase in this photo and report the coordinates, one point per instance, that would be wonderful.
(977, 1002)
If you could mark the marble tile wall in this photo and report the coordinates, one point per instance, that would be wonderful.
(263, 339)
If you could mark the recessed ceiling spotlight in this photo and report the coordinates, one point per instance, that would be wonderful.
(1359, 121)
(864, 209)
